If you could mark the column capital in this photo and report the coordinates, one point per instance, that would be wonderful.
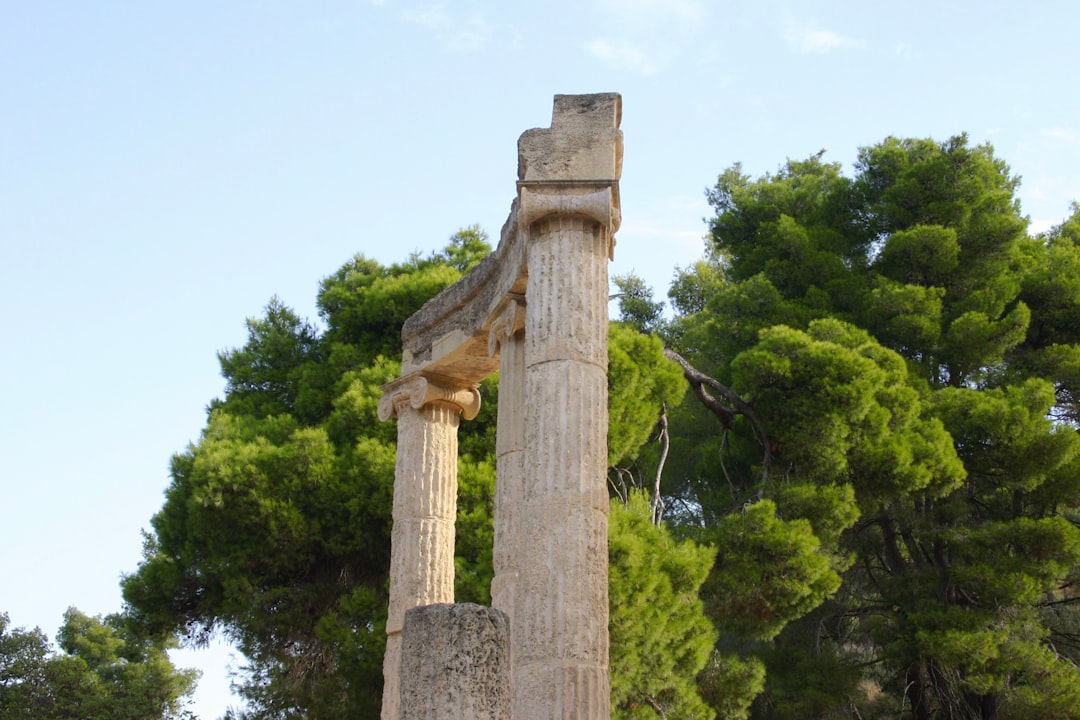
(598, 201)
(417, 390)
(507, 321)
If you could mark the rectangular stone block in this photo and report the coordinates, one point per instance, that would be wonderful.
(455, 663)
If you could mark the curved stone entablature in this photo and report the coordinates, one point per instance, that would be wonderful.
(449, 334)
(571, 168)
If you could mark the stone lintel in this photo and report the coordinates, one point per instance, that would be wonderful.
(449, 334)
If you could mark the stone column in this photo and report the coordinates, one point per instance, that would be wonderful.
(506, 333)
(425, 506)
(455, 663)
(560, 653)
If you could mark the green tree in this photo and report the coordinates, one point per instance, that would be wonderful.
(636, 305)
(106, 669)
(660, 637)
(891, 470)
(275, 528)
(23, 684)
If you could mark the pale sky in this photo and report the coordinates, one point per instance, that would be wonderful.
(165, 168)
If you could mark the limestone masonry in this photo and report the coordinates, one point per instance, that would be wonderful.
(535, 310)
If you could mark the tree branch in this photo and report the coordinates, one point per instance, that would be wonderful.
(655, 706)
(665, 443)
(700, 382)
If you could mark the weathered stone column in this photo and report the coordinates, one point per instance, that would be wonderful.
(568, 195)
(561, 651)
(506, 333)
(425, 506)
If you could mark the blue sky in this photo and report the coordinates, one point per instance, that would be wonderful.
(165, 168)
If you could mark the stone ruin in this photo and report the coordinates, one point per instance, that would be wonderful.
(535, 311)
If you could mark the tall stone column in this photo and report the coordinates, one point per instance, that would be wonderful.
(507, 337)
(425, 506)
(560, 653)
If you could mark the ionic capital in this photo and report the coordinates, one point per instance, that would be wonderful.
(416, 391)
(539, 200)
(508, 320)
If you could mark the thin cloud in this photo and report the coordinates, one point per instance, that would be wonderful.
(460, 34)
(651, 10)
(905, 51)
(1037, 226)
(1064, 134)
(623, 55)
(809, 38)
(645, 36)
(692, 239)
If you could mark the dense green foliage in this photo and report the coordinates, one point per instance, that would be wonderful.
(275, 528)
(871, 497)
(641, 381)
(892, 467)
(660, 636)
(105, 670)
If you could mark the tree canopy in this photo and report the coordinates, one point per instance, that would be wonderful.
(105, 669)
(275, 528)
(660, 636)
(868, 504)
(892, 469)
(276, 523)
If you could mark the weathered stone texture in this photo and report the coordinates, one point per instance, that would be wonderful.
(507, 338)
(455, 664)
(583, 143)
(425, 508)
(562, 604)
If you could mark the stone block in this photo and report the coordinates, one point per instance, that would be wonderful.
(455, 663)
(583, 143)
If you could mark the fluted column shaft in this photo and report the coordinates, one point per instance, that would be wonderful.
(560, 652)
(509, 453)
(425, 507)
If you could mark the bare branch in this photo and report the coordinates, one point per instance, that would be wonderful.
(656, 706)
(665, 443)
